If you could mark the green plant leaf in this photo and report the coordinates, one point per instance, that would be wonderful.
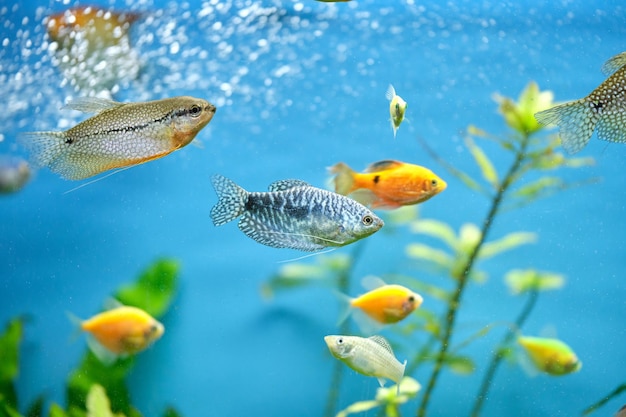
(508, 242)
(9, 360)
(358, 407)
(154, 290)
(523, 280)
(98, 404)
(56, 411)
(462, 365)
(538, 187)
(36, 408)
(436, 229)
(171, 412)
(520, 115)
(425, 252)
(6, 410)
(484, 163)
(112, 378)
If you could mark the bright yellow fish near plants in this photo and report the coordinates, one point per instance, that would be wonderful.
(385, 303)
(388, 184)
(397, 108)
(122, 331)
(549, 355)
(119, 135)
(604, 108)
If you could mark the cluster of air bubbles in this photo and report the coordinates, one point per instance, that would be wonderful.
(257, 55)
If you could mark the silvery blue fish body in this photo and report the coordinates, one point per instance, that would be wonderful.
(293, 214)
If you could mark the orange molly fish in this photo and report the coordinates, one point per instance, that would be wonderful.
(119, 135)
(388, 304)
(550, 355)
(603, 109)
(388, 184)
(125, 330)
(98, 24)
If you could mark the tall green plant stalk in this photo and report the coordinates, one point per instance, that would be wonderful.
(500, 352)
(343, 286)
(463, 278)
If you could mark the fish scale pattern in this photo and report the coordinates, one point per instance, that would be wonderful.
(298, 216)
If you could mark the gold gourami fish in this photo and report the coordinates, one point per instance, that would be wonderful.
(122, 331)
(604, 108)
(397, 108)
(119, 135)
(388, 184)
(383, 304)
(370, 356)
(549, 355)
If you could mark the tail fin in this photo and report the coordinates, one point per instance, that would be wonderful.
(576, 120)
(344, 180)
(231, 200)
(44, 147)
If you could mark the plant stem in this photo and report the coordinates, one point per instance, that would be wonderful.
(463, 278)
(343, 286)
(498, 354)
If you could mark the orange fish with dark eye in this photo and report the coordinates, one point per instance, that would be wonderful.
(388, 304)
(383, 304)
(98, 24)
(388, 184)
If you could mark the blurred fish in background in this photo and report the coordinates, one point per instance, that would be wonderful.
(14, 174)
(92, 48)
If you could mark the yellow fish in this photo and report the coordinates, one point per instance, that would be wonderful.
(385, 303)
(549, 355)
(397, 107)
(122, 331)
(604, 108)
(119, 135)
(370, 356)
(388, 184)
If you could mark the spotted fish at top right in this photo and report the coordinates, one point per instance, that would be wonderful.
(604, 108)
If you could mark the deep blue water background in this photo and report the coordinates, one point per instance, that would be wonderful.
(300, 86)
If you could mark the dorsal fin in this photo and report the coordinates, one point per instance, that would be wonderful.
(611, 66)
(382, 165)
(382, 342)
(283, 185)
(92, 104)
(371, 282)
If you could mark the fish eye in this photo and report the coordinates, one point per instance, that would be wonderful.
(411, 299)
(433, 183)
(195, 110)
(367, 220)
(340, 341)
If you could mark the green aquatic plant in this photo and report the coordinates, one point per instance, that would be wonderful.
(460, 254)
(94, 389)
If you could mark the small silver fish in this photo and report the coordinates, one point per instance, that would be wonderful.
(604, 108)
(293, 214)
(370, 356)
(119, 135)
(397, 108)
(14, 174)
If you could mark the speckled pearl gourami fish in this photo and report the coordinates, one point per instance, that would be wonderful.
(604, 108)
(370, 356)
(397, 108)
(124, 330)
(388, 184)
(549, 355)
(119, 135)
(293, 214)
(386, 303)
